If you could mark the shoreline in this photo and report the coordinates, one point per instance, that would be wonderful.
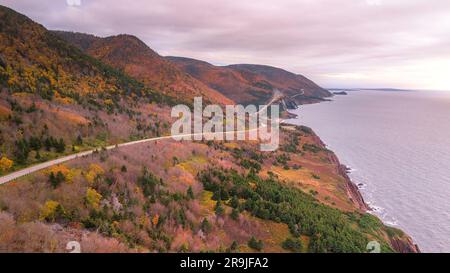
(407, 245)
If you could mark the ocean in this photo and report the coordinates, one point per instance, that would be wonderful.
(397, 144)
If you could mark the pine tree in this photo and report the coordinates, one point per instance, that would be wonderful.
(234, 202)
(206, 226)
(52, 180)
(60, 146)
(234, 214)
(219, 208)
(257, 245)
(79, 140)
(190, 193)
(234, 246)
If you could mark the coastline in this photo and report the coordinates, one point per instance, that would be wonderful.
(402, 245)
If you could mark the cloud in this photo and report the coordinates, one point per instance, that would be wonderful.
(317, 38)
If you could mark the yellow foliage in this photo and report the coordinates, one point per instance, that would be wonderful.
(58, 168)
(49, 210)
(94, 171)
(5, 164)
(93, 198)
(144, 221)
(68, 173)
(65, 100)
(21, 94)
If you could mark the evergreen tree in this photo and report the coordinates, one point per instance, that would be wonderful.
(60, 146)
(190, 193)
(234, 202)
(219, 208)
(79, 140)
(206, 226)
(257, 245)
(21, 151)
(234, 214)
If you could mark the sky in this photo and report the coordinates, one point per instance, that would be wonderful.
(336, 43)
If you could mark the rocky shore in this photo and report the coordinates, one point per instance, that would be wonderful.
(403, 244)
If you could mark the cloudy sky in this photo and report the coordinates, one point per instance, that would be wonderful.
(337, 43)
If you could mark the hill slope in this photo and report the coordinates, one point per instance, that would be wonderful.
(53, 96)
(134, 57)
(250, 83)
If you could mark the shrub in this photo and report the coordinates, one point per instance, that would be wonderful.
(293, 245)
(255, 244)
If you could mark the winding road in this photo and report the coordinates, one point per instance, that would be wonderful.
(29, 170)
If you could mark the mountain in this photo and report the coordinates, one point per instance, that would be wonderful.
(55, 99)
(283, 80)
(132, 56)
(35, 60)
(251, 83)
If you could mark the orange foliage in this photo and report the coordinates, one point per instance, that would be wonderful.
(155, 220)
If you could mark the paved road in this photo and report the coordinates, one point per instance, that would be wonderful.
(300, 94)
(12, 176)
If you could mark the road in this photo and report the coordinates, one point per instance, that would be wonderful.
(301, 94)
(29, 170)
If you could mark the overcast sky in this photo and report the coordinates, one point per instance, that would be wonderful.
(337, 43)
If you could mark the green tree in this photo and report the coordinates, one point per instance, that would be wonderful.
(293, 245)
(60, 146)
(56, 180)
(206, 226)
(234, 202)
(234, 246)
(235, 214)
(255, 244)
(22, 149)
(190, 193)
(220, 211)
(79, 140)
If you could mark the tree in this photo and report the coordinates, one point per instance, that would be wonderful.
(52, 180)
(79, 140)
(5, 164)
(234, 202)
(21, 151)
(190, 193)
(234, 246)
(219, 208)
(60, 146)
(292, 245)
(206, 226)
(234, 214)
(51, 211)
(56, 180)
(257, 245)
(93, 198)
